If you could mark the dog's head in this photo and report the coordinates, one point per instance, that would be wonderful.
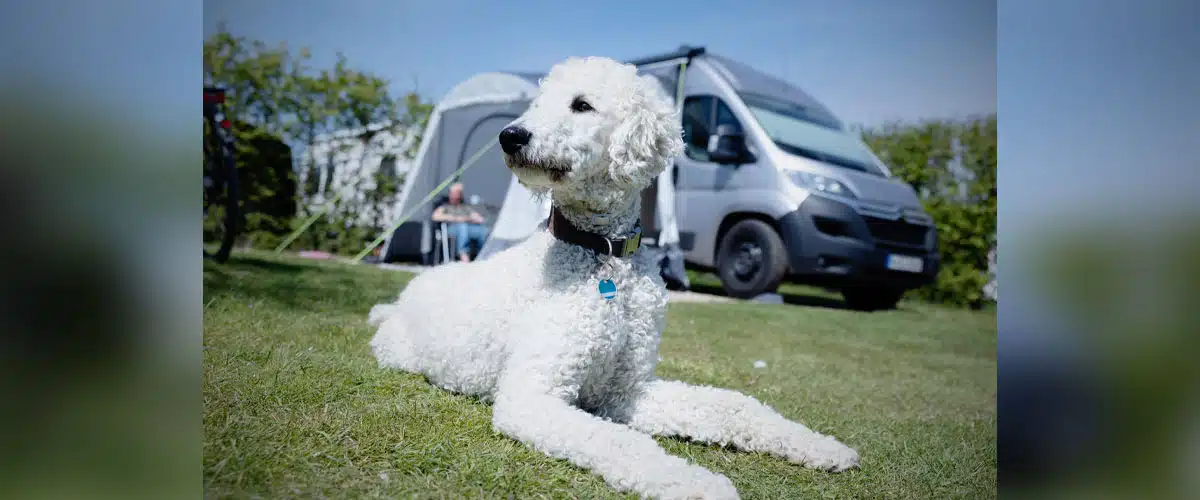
(596, 128)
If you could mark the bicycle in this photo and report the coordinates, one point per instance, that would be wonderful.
(220, 172)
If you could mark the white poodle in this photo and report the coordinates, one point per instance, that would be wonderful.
(567, 361)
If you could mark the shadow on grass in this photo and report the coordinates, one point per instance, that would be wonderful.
(815, 301)
(788, 298)
(301, 285)
(266, 265)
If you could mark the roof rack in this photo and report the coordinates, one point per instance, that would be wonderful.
(682, 52)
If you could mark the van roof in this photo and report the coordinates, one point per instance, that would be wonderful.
(745, 79)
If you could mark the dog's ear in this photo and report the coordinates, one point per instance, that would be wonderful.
(649, 138)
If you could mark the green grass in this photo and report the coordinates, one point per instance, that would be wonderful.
(296, 407)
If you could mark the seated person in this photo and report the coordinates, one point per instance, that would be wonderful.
(465, 223)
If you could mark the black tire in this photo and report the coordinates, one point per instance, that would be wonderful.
(751, 259)
(872, 298)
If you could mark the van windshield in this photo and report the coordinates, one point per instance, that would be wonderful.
(801, 132)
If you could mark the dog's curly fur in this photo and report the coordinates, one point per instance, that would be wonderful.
(568, 372)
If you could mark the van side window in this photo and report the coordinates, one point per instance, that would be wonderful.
(701, 115)
(697, 115)
(725, 115)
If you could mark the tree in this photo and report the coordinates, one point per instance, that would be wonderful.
(415, 118)
(917, 154)
(275, 92)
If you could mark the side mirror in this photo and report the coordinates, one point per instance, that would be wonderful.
(728, 145)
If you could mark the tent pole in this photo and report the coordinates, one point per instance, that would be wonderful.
(679, 88)
(404, 218)
(300, 230)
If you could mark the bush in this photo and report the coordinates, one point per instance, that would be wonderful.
(268, 188)
(952, 165)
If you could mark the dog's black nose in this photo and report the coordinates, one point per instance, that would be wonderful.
(513, 138)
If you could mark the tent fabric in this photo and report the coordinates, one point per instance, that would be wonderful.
(491, 87)
(452, 122)
(481, 89)
(519, 217)
(417, 176)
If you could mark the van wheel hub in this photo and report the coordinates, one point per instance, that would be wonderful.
(747, 261)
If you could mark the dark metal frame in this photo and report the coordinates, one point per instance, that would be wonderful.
(220, 173)
(683, 52)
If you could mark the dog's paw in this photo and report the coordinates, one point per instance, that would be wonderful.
(704, 485)
(824, 453)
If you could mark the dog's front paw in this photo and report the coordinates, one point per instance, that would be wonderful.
(824, 453)
(702, 484)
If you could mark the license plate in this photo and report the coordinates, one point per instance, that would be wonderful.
(905, 263)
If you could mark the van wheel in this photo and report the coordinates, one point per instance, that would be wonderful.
(872, 299)
(751, 259)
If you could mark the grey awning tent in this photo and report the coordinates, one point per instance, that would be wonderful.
(468, 119)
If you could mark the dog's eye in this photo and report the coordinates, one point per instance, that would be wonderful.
(581, 106)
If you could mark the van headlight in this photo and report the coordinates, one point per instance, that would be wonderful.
(817, 182)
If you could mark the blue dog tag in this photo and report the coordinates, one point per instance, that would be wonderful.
(607, 289)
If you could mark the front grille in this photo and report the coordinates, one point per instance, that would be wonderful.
(897, 231)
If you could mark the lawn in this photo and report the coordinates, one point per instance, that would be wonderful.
(294, 405)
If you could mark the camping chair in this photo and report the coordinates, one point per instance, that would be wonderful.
(442, 248)
(448, 247)
(445, 250)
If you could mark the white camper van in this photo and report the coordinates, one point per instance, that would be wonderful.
(774, 186)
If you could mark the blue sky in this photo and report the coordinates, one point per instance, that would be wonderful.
(869, 60)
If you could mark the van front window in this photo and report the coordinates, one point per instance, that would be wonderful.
(816, 136)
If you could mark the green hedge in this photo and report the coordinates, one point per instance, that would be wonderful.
(268, 188)
(952, 165)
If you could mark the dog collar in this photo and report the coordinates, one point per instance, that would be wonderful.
(562, 229)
